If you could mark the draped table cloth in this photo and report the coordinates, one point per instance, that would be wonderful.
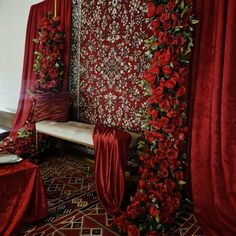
(22, 196)
(111, 158)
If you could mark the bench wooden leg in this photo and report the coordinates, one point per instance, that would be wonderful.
(37, 143)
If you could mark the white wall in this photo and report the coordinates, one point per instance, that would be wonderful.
(13, 22)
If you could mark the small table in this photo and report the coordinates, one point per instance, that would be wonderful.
(22, 196)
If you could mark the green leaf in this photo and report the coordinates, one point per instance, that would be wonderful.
(185, 9)
(194, 21)
(158, 227)
(157, 218)
(181, 182)
(148, 54)
(150, 40)
(22, 133)
(36, 40)
(154, 47)
(182, 5)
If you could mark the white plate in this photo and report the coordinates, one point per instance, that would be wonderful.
(9, 158)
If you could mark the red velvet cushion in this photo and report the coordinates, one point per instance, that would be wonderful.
(51, 106)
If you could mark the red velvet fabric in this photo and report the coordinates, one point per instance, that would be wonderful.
(213, 146)
(28, 75)
(22, 196)
(111, 157)
(51, 106)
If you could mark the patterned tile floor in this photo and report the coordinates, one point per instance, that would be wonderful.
(74, 209)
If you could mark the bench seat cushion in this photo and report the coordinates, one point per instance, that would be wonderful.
(73, 131)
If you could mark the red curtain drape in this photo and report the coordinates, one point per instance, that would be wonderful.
(213, 142)
(28, 76)
(111, 158)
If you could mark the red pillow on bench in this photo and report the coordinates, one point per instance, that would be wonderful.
(51, 106)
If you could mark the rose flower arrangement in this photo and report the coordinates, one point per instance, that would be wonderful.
(49, 68)
(162, 152)
(48, 63)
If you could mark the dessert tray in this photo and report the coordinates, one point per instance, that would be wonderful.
(9, 158)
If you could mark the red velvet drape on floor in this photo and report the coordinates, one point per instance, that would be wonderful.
(213, 146)
(28, 76)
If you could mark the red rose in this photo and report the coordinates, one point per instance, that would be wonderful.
(158, 91)
(178, 121)
(174, 101)
(155, 25)
(184, 71)
(171, 5)
(170, 84)
(149, 77)
(169, 184)
(143, 196)
(160, 154)
(163, 38)
(154, 69)
(167, 25)
(165, 57)
(158, 135)
(182, 106)
(153, 113)
(133, 230)
(141, 183)
(162, 82)
(172, 113)
(164, 17)
(172, 153)
(165, 105)
(179, 40)
(160, 9)
(131, 212)
(181, 91)
(153, 211)
(152, 10)
(175, 75)
(179, 175)
(169, 129)
(163, 122)
(166, 70)
(165, 144)
(157, 33)
(181, 136)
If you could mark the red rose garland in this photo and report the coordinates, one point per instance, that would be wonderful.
(48, 64)
(158, 196)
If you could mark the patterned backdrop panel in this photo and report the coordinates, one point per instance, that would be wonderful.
(111, 61)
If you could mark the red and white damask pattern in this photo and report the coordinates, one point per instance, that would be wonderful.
(111, 61)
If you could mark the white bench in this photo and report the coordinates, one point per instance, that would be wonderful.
(72, 131)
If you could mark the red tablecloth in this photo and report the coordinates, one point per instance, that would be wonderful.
(22, 196)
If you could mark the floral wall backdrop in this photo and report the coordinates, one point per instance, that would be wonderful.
(108, 61)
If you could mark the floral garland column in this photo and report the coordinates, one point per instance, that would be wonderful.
(158, 196)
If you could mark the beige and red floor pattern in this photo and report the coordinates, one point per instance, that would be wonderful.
(74, 209)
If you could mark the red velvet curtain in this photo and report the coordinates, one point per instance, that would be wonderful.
(28, 75)
(213, 145)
